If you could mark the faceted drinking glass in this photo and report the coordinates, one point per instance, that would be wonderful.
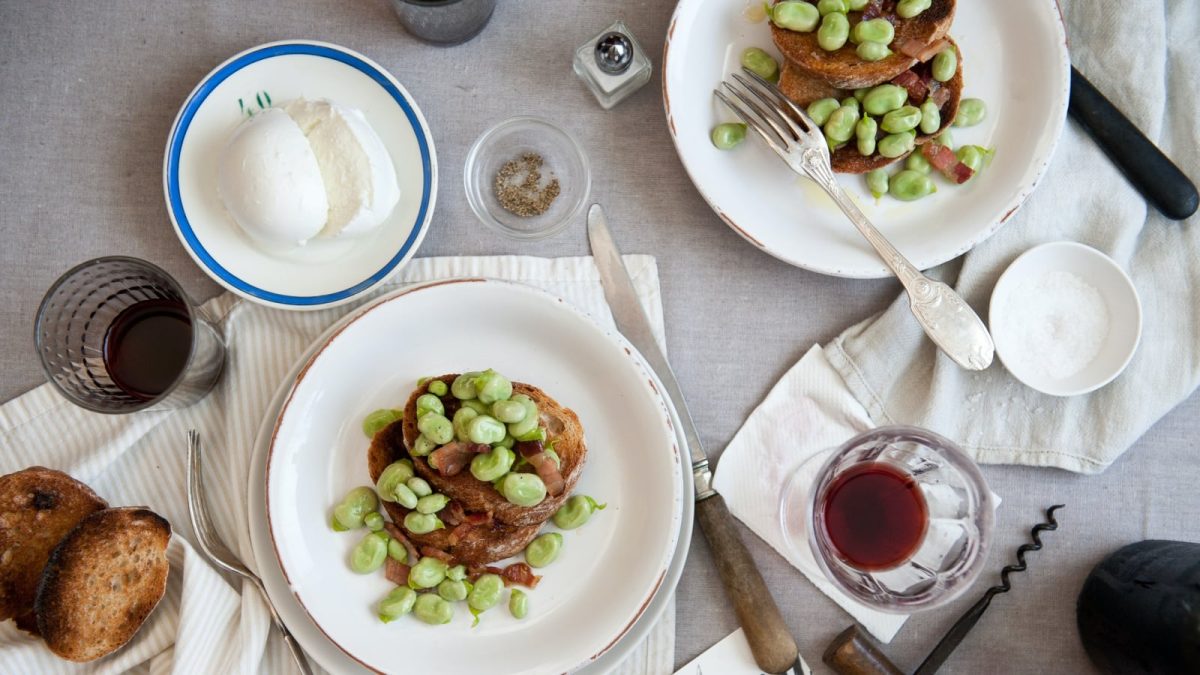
(73, 325)
(958, 505)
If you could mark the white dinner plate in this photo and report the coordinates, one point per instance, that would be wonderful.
(322, 273)
(318, 453)
(1014, 58)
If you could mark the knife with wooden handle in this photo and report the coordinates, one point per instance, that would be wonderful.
(772, 644)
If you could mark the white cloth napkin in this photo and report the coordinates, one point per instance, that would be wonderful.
(808, 411)
(209, 623)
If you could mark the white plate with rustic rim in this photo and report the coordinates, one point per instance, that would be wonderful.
(633, 464)
(1015, 58)
(322, 273)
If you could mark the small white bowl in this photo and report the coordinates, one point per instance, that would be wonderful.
(1098, 271)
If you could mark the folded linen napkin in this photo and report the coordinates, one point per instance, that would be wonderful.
(1145, 63)
(206, 624)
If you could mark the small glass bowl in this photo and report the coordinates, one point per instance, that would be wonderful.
(563, 159)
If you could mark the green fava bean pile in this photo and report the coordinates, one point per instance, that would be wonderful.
(354, 507)
(576, 512)
(518, 603)
(911, 185)
(523, 489)
(368, 555)
(433, 609)
(544, 549)
(761, 63)
(396, 604)
(798, 16)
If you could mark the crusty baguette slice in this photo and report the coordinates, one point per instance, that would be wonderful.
(102, 582)
(844, 69)
(562, 426)
(803, 89)
(38, 507)
(479, 545)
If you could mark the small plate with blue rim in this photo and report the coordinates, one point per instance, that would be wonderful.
(324, 272)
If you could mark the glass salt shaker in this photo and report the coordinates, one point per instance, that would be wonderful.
(612, 65)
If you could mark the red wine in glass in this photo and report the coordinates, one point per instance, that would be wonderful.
(147, 346)
(875, 515)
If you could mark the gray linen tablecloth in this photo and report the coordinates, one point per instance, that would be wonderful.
(89, 92)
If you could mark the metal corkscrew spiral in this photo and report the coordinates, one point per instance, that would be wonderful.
(969, 618)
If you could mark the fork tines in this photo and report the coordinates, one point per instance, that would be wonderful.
(781, 123)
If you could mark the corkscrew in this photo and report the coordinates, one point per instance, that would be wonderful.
(853, 652)
(969, 618)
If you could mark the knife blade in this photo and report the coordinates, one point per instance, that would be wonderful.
(770, 641)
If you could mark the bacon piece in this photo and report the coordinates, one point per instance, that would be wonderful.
(451, 405)
(944, 160)
(453, 457)
(476, 571)
(939, 94)
(453, 513)
(398, 534)
(912, 82)
(478, 518)
(460, 531)
(873, 10)
(431, 552)
(541, 461)
(396, 572)
(921, 51)
(520, 573)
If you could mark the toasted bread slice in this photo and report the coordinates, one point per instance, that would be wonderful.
(844, 69)
(102, 581)
(478, 545)
(563, 427)
(38, 507)
(803, 89)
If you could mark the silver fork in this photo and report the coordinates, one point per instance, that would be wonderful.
(217, 552)
(952, 325)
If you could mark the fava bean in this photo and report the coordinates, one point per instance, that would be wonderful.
(368, 555)
(376, 421)
(931, 117)
(820, 110)
(877, 182)
(422, 446)
(396, 551)
(883, 99)
(535, 434)
(456, 573)
(797, 16)
(864, 134)
(486, 429)
(523, 489)
(489, 466)
(971, 111)
(518, 603)
(827, 6)
(508, 442)
(851, 102)
(419, 486)
(373, 521)
(896, 145)
(858, 5)
(907, 9)
(433, 609)
(491, 386)
(463, 386)
(911, 185)
(900, 120)
(462, 420)
(422, 523)
(427, 573)
(404, 496)
(395, 474)
(576, 512)
(875, 30)
(354, 507)
(544, 549)
(511, 412)
(973, 156)
(432, 503)
(452, 591)
(860, 94)
(872, 51)
(761, 63)
(840, 126)
(396, 604)
(478, 406)
(436, 427)
(438, 388)
(486, 592)
(427, 403)
(529, 423)
(834, 31)
(917, 162)
(945, 64)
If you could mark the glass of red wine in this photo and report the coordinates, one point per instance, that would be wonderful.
(898, 517)
(118, 335)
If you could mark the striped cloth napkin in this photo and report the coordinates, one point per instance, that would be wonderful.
(210, 623)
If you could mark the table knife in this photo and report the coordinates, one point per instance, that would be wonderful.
(772, 644)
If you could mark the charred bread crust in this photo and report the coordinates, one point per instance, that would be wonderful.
(38, 507)
(844, 69)
(102, 582)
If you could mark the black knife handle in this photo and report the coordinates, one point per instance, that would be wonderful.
(1150, 171)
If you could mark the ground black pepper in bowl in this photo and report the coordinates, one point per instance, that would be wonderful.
(518, 186)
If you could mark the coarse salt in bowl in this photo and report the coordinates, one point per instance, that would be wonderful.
(1065, 318)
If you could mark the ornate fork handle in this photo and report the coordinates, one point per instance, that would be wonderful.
(947, 319)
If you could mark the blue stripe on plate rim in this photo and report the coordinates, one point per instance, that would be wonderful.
(179, 132)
